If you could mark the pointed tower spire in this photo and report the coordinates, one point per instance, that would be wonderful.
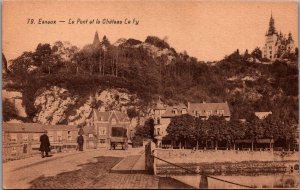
(96, 39)
(271, 14)
(272, 29)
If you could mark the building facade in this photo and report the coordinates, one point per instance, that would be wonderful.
(106, 128)
(21, 140)
(276, 44)
(162, 115)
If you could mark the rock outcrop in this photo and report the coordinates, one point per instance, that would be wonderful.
(57, 105)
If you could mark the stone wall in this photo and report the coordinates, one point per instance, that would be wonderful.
(213, 156)
(218, 162)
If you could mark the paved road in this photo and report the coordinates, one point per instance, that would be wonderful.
(21, 173)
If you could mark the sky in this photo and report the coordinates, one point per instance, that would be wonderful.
(206, 30)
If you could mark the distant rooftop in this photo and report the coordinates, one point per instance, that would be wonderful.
(34, 127)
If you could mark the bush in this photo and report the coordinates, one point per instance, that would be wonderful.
(157, 42)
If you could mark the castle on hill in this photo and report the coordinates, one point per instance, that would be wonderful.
(277, 44)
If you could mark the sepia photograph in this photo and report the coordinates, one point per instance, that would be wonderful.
(127, 94)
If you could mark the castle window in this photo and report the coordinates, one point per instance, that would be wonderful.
(270, 56)
(158, 120)
(183, 111)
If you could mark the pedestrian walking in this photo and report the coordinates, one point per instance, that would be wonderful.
(80, 141)
(45, 144)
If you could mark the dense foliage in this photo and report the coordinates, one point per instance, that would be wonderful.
(247, 85)
(187, 130)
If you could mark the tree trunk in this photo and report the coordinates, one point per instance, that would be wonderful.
(233, 145)
(112, 67)
(227, 144)
(216, 145)
(100, 66)
(49, 70)
(197, 144)
(252, 145)
(103, 67)
(179, 144)
(77, 70)
(117, 59)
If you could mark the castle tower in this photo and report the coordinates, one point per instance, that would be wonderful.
(290, 44)
(96, 41)
(277, 45)
(270, 48)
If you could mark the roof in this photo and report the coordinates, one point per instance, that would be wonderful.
(34, 127)
(61, 127)
(104, 116)
(262, 115)
(169, 109)
(202, 108)
(23, 127)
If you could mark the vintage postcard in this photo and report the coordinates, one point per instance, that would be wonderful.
(150, 95)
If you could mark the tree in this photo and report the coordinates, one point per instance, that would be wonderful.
(146, 130)
(180, 128)
(21, 64)
(9, 110)
(217, 128)
(237, 130)
(45, 58)
(257, 53)
(4, 61)
(105, 41)
(254, 129)
(132, 113)
(200, 131)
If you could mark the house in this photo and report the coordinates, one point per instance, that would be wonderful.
(21, 140)
(162, 114)
(107, 128)
(262, 115)
(204, 110)
(62, 137)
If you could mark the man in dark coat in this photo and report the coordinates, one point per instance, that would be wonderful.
(80, 141)
(45, 144)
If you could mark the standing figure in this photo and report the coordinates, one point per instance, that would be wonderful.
(80, 142)
(45, 144)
